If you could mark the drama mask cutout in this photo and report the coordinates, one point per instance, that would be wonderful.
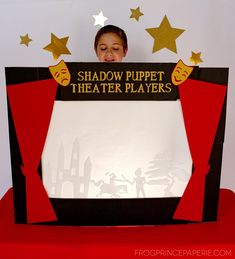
(180, 73)
(60, 73)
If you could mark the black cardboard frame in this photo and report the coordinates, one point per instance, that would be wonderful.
(111, 212)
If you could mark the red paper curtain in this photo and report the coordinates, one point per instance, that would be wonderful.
(31, 106)
(202, 104)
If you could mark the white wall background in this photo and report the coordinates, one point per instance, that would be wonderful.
(209, 29)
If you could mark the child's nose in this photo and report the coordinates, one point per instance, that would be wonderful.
(109, 52)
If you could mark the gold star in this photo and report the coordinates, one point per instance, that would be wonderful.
(136, 13)
(164, 36)
(25, 40)
(195, 58)
(57, 46)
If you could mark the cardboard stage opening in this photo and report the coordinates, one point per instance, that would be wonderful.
(116, 149)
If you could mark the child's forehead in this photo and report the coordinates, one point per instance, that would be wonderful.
(110, 38)
(110, 34)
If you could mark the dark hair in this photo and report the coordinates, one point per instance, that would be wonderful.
(113, 29)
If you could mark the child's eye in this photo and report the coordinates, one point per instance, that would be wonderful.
(102, 49)
(115, 49)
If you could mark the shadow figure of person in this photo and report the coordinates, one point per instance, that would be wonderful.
(139, 182)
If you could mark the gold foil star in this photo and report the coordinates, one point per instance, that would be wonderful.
(57, 46)
(136, 13)
(195, 58)
(25, 40)
(164, 36)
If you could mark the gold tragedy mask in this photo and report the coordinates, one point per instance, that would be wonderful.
(60, 73)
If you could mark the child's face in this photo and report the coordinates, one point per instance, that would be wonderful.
(110, 48)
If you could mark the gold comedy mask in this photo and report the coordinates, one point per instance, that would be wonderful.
(180, 73)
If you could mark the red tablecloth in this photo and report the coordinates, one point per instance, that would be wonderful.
(213, 240)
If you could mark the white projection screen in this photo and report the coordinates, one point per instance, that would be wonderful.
(116, 149)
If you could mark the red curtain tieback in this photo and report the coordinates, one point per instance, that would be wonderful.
(26, 171)
(202, 169)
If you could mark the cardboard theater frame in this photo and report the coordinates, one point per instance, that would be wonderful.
(31, 94)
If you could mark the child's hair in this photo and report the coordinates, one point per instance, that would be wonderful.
(111, 29)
